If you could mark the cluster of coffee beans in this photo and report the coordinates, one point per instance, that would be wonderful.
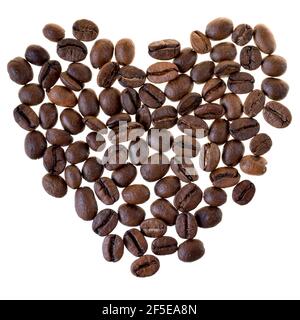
(214, 110)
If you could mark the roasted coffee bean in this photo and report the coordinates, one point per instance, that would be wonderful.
(72, 121)
(254, 103)
(253, 165)
(210, 111)
(189, 103)
(275, 89)
(131, 77)
(117, 119)
(85, 203)
(62, 96)
(156, 167)
(80, 72)
(233, 152)
(226, 68)
(274, 65)
(223, 51)
(153, 228)
(184, 169)
(188, 197)
(176, 89)
(136, 194)
(55, 185)
(85, 30)
(186, 146)
(242, 34)
(145, 266)
(200, 43)
(243, 192)
(77, 152)
(49, 74)
(131, 215)
(161, 72)
(219, 131)
(151, 96)
(162, 209)
(138, 151)
(130, 100)
(164, 117)
(110, 101)
(185, 60)
(105, 222)
(167, 187)
(73, 176)
(35, 144)
(219, 29)
(193, 126)
(143, 117)
(244, 128)
(209, 157)
(224, 177)
(186, 225)
(58, 137)
(125, 51)
(113, 248)
(54, 160)
(26, 118)
(70, 83)
(264, 39)
(164, 245)
(71, 50)
(48, 115)
(233, 106)
(31, 94)
(92, 169)
(213, 89)
(101, 52)
(96, 141)
(164, 49)
(277, 115)
(135, 242)
(126, 132)
(250, 58)
(106, 191)
(36, 54)
(202, 71)
(19, 71)
(260, 144)
(53, 32)
(208, 217)
(108, 74)
(95, 124)
(191, 250)
(240, 82)
(114, 157)
(124, 175)
(214, 196)
(160, 139)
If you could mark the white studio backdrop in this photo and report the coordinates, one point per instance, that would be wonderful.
(47, 252)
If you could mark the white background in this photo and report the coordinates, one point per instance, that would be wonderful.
(46, 251)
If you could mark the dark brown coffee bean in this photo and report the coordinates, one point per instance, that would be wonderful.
(48, 115)
(130, 100)
(193, 126)
(233, 152)
(277, 115)
(70, 83)
(105, 222)
(117, 119)
(191, 250)
(254, 103)
(185, 60)
(151, 96)
(54, 160)
(253, 165)
(260, 144)
(210, 111)
(219, 29)
(164, 245)
(202, 71)
(213, 89)
(138, 151)
(200, 43)
(186, 146)
(85, 203)
(58, 137)
(156, 167)
(233, 106)
(219, 131)
(20, 71)
(189, 103)
(101, 52)
(85, 30)
(124, 175)
(55, 185)
(143, 117)
(77, 152)
(188, 197)
(274, 65)
(49, 74)
(25, 117)
(80, 72)
(73, 176)
(242, 34)
(92, 169)
(113, 248)
(71, 50)
(243, 192)
(164, 49)
(214, 196)
(53, 32)
(36, 54)
(209, 157)
(275, 89)
(106, 191)
(62, 96)
(244, 128)
(161, 72)
(131, 77)
(31, 94)
(208, 217)
(264, 39)
(131, 215)
(95, 124)
(96, 141)
(164, 117)
(135, 242)
(126, 132)
(153, 228)
(114, 157)
(224, 177)
(240, 82)
(125, 51)
(167, 187)
(108, 74)
(250, 58)
(223, 51)
(162, 209)
(184, 169)
(136, 194)
(35, 144)
(72, 121)
(145, 266)
(186, 226)
(110, 101)
(226, 68)
(176, 89)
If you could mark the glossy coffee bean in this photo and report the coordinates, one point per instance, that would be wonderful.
(110, 101)
(192, 126)
(126, 132)
(19, 71)
(176, 89)
(131, 215)
(240, 82)
(130, 100)
(117, 119)
(200, 43)
(138, 151)
(35, 144)
(79, 72)
(62, 96)
(145, 266)
(73, 176)
(254, 103)
(233, 106)
(143, 117)
(260, 144)
(92, 169)
(219, 131)
(71, 50)
(162, 209)
(70, 83)
(208, 217)
(219, 29)
(125, 51)
(185, 60)
(153, 228)
(164, 117)
(101, 53)
(72, 121)
(213, 89)
(95, 141)
(242, 34)
(113, 248)
(250, 58)
(244, 128)
(223, 51)
(191, 250)
(184, 169)
(202, 72)
(31, 94)
(233, 152)
(253, 165)
(151, 96)
(210, 111)
(156, 167)
(164, 49)
(264, 39)
(55, 185)
(77, 152)
(209, 157)
(167, 187)
(106, 191)
(161, 72)
(189, 103)
(135, 242)
(243, 192)
(275, 89)
(36, 54)
(274, 65)
(85, 203)
(124, 175)
(58, 137)
(108, 74)
(226, 68)
(186, 226)
(136, 194)
(188, 197)
(224, 177)
(49, 74)
(48, 115)
(277, 115)
(186, 146)
(105, 222)
(131, 77)
(85, 30)
(53, 32)
(54, 160)
(164, 245)
(214, 196)
(94, 124)
(25, 117)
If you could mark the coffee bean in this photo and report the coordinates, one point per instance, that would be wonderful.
(131, 215)
(192, 126)
(96, 141)
(275, 89)
(71, 50)
(130, 100)
(274, 65)
(189, 103)
(184, 169)
(277, 115)
(176, 89)
(62, 96)
(73, 176)
(202, 71)
(244, 128)
(164, 245)
(54, 160)
(70, 83)
(233, 106)
(210, 111)
(135, 242)
(164, 49)
(108, 74)
(48, 115)
(77, 152)
(113, 248)
(240, 82)
(101, 52)
(200, 43)
(167, 187)
(242, 34)
(223, 51)
(143, 117)
(161, 72)
(124, 175)
(208, 217)
(49, 74)
(186, 146)
(253, 165)
(219, 29)
(243, 192)
(117, 119)
(95, 124)
(254, 103)
(186, 226)
(131, 77)
(213, 89)
(218, 131)
(138, 151)
(106, 191)
(162, 209)
(26, 118)
(72, 121)
(19, 71)
(164, 117)
(214, 196)
(55, 185)
(185, 60)
(151, 96)
(126, 132)
(105, 222)
(125, 51)
(31, 94)
(145, 266)
(35, 145)
(224, 177)
(58, 137)
(156, 167)
(53, 32)
(110, 101)
(153, 228)
(250, 58)
(85, 203)
(115, 157)
(188, 197)
(233, 152)
(226, 68)
(209, 157)
(191, 250)
(264, 39)
(260, 144)
(85, 30)
(80, 72)
(136, 194)
(92, 169)
(36, 54)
